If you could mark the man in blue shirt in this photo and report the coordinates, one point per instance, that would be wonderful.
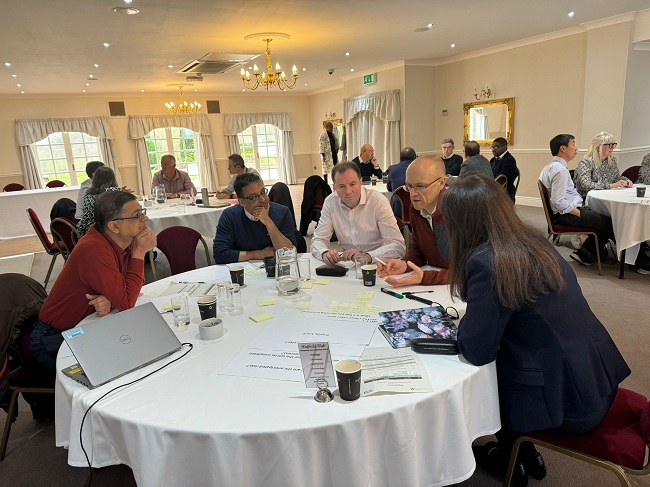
(397, 176)
(255, 228)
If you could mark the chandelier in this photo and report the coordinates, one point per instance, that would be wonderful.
(183, 108)
(270, 77)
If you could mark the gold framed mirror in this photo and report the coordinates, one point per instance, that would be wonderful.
(488, 119)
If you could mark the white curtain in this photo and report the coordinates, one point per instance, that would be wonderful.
(31, 131)
(235, 123)
(374, 119)
(141, 125)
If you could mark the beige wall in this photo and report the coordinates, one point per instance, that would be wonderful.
(635, 134)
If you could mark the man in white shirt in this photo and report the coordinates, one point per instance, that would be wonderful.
(362, 219)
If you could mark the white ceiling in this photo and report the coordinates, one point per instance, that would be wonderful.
(53, 45)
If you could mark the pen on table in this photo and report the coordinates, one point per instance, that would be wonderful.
(192, 282)
(392, 293)
(417, 298)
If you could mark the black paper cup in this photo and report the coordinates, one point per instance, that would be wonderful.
(269, 266)
(348, 376)
(207, 307)
(237, 275)
(640, 191)
(369, 274)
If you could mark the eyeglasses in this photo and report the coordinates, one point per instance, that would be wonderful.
(611, 145)
(419, 187)
(255, 197)
(142, 214)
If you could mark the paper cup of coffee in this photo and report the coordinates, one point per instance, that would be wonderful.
(207, 307)
(237, 275)
(211, 329)
(348, 376)
(369, 274)
(640, 191)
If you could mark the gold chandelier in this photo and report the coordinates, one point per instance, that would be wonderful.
(183, 108)
(270, 77)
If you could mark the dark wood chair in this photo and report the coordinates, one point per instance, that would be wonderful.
(55, 183)
(502, 180)
(65, 235)
(50, 247)
(179, 246)
(632, 173)
(403, 198)
(13, 187)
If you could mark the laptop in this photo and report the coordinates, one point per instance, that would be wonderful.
(118, 344)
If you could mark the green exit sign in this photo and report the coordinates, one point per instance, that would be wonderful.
(370, 79)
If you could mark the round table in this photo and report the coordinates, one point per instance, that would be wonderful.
(190, 425)
(172, 213)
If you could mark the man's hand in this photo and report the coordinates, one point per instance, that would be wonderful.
(331, 257)
(100, 302)
(350, 254)
(262, 214)
(144, 242)
(124, 188)
(171, 195)
(393, 266)
(410, 280)
(222, 195)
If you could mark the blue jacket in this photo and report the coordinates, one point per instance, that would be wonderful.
(236, 232)
(397, 178)
(555, 360)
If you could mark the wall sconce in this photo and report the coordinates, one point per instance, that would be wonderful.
(486, 93)
(330, 115)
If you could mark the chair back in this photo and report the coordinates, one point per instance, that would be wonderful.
(403, 199)
(280, 194)
(546, 204)
(13, 187)
(502, 180)
(49, 246)
(179, 246)
(515, 182)
(632, 173)
(55, 183)
(65, 235)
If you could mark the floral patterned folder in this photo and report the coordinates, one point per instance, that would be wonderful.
(400, 327)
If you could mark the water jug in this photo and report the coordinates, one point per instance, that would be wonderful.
(287, 276)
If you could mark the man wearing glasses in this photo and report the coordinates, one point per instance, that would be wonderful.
(105, 271)
(362, 219)
(255, 228)
(425, 180)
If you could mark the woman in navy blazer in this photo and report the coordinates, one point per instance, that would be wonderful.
(557, 367)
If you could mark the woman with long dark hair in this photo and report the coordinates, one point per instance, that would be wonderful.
(103, 180)
(557, 367)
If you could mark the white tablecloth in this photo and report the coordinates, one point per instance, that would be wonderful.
(630, 217)
(188, 425)
(203, 220)
(13, 209)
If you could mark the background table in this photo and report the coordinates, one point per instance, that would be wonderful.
(188, 425)
(203, 220)
(13, 217)
(630, 218)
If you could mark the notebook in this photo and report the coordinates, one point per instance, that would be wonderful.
(118, 344)
(400, 327)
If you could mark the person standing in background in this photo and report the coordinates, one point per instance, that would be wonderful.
(329, 149)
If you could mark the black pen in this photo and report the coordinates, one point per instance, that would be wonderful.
(418, 298)
(392, 293)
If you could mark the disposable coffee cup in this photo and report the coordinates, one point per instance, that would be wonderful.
(369, 273)
(640, 191)
(211, 329)
(207, 307)
(237, 275)
(269, 266)
(373, 181)
(348, 376)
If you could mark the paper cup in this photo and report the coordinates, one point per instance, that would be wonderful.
(369, 273)
(207, 307)
(348, 376)
(237, 275)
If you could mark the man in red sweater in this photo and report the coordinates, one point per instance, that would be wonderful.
(105, 271)
(425, 180)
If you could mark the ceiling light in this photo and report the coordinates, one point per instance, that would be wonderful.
(22, 92)
(347, 53)
(87, 84)
(571, 14)
(96, 65)
(18, 85)
(351, 69)
(83, 91)
(126, 10)
(128, 1)
(170, 66)
(429, 25)
(183, 107)
(142, 91)
(106, 44)
(8, 64)
(269, 78)
(14, 75)
(90, 76)
(453, 45)
(195, 89)
(305, 84)
(304, 69)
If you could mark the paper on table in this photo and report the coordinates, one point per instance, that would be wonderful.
(321, 281)
(339, 307)
(259, 317)
(265, 301)
(307, 285)
(393, 370)
(191, 288)
(250, 270)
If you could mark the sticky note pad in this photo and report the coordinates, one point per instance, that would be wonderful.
(339, 307)
(249, 270)
(265, 302)
(167, 306)
(322, 281)
(307, 285)
(304, 306)
(259, 317)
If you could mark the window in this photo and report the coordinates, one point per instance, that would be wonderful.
(181, 143)
(259, 148)
(64, 155)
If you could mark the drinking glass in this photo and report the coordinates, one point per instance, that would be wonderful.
(181, 310)
(304, 269)
(234, 299)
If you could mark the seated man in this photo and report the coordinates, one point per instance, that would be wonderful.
(255, 228)
(362, 219)
(397, 172)
(105, 270)
(176, 182)
(425, 179)
(452, 161)
(504, 163)
(236, 167)
(567, 204)
(367, 163)
(474, 162)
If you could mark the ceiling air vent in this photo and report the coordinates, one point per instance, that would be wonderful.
(216, 63)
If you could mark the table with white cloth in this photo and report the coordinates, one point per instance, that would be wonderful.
(14, 222)
(170, 214)
(630, 219)
(380, 187)
(190, 425)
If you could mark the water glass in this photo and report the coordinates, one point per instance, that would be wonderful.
(359, 261)
(234, 299)
(222, 295)
(304, 269)
(181, 310)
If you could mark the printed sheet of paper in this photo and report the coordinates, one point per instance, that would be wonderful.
(193, 289)
(393, 370)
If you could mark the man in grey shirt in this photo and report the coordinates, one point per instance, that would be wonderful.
(236, 167)
(474, 162)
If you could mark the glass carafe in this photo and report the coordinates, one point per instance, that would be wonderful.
(287, 276)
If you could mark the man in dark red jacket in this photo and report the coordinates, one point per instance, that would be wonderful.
(425, 178)
(104, 271)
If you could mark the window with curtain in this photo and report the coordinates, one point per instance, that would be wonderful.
(181, 143)
(64, 155)
(259, 147)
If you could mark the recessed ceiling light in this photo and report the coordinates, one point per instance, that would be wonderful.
(14, 75)
(304, 69)
(305, 84)
(87, 84)
(128, 1)
(8, 64)
(106, 44)
(429, 25)
(351, 69)
(347, 53)
(126, 10)
(195, 89)
(142, 91)
(170, 66)
(83, 91)
(96, 65)
(18, 85)
(90, 76)
(571, 14)
(22, 92)
(243, 89)
(453, 45)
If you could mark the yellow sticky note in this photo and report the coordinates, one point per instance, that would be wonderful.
(357, 308)
(307, 285)
(304, 306)
(321, 281)
(249, 270)
(167, 306)
(259, 317)
(339, 307)
(365, 296)
(373, 310)
(265, 302)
